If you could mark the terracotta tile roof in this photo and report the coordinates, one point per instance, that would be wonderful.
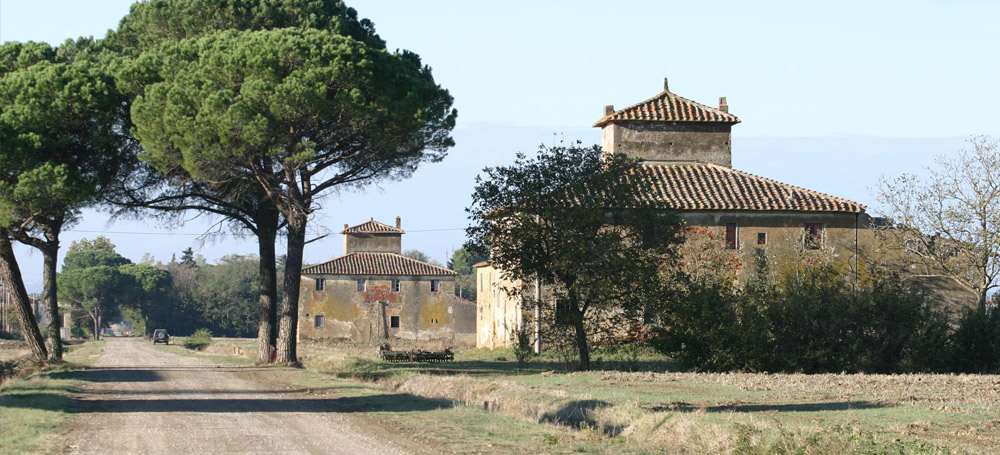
(713, 187)
(668, 107)
(377, 264)
(372, 227)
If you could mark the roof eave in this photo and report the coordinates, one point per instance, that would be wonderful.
(607, 119)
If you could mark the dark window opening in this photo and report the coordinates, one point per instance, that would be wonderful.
(762, 238)
(731, 240)
(395, 285)
(361, 284)
(394, 322)
(319, 321)
(319, 284)
(435, 285)
(813, 236)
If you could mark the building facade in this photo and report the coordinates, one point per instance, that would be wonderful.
(372, 293)
(686, 149)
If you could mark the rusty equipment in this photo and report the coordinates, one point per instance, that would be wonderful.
(414, 355)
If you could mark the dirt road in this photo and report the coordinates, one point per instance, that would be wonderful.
(139, 399)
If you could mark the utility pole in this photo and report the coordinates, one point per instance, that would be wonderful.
(538, 316)
(538, 296)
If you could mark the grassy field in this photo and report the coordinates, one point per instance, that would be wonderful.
(656, 409)
(475, 403)
(27, 429)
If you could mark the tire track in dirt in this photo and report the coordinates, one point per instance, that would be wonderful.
(138, 399)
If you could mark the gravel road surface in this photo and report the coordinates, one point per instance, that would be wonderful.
(139, 399)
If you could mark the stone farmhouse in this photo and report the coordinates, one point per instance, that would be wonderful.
(687, 148)
(374, 293)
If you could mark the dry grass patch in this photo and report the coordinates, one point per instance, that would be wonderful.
(706, 412)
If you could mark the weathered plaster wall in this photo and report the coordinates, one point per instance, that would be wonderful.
(784, 231)
(498, 308)
(359, 316)
(670, 142)
(377, 243)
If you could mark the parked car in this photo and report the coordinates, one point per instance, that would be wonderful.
(161, 336)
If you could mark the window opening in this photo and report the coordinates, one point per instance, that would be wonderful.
(762, 238)
(395, 285)
(731, 239)
(361, 284)
(394, 322)
(435, 285)
(814, 236)
(319, 321)
(319, 284)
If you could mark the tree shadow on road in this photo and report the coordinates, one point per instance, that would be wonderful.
(399, 402)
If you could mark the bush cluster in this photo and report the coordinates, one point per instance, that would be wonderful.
(199, 340)
(815, 321)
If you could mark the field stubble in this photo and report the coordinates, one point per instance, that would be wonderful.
(705, 412)
(653, 411)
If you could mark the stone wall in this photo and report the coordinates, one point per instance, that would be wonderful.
(670, 142)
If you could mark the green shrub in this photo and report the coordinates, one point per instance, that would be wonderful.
(199, 340)
(810, 321)
(524, 349)
(974, 347)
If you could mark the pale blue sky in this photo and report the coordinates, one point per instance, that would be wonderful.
(832, 95)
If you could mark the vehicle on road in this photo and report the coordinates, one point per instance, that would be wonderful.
(161, 336)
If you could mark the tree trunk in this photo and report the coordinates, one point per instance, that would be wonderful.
(50, 255)
(267, 305)
(11, 274)
(289, 310)
(581, 342)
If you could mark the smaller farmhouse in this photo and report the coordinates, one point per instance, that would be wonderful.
(374, 293)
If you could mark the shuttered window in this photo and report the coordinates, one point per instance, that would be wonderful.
(731, 240)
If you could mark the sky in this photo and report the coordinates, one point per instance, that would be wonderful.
(832, 95)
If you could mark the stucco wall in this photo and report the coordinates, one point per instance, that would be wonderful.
(670, 142)
(378, 243)
(498, 308)
(354, 315)
(784, 231)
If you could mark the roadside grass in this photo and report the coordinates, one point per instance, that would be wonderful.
(699, 413)
(225, 351)
(458, 429)
(483, 397)
(32, 408)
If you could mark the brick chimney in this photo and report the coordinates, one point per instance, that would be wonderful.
(723, 106)
(399, 223)
(609, 109)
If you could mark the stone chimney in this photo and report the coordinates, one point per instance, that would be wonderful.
(723, 106)
(609, 109)
(399, 223)
(666, 87)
